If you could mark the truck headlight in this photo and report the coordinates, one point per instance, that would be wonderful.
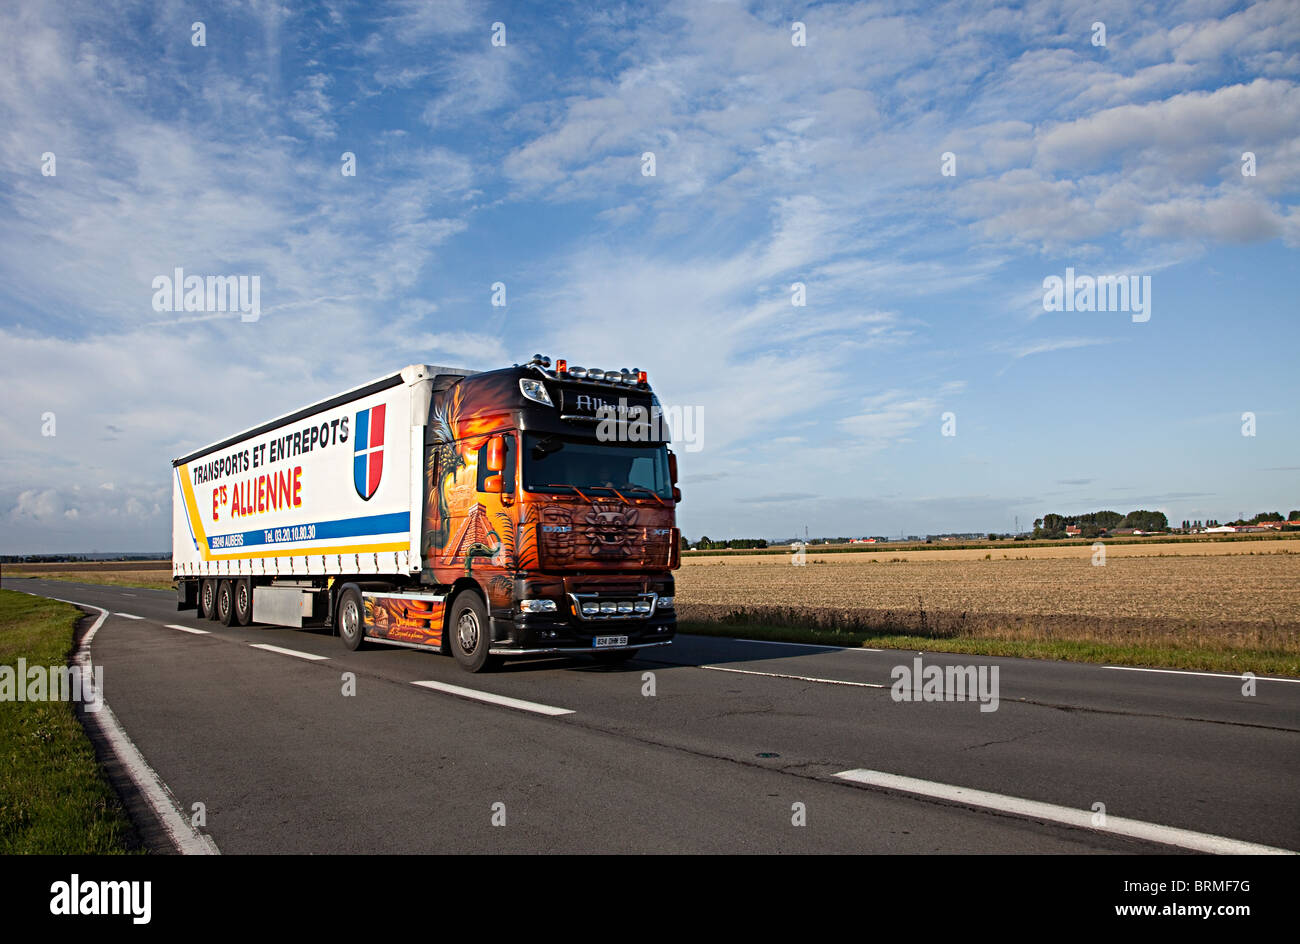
(535, 390)
(665, 603)
(537, 606)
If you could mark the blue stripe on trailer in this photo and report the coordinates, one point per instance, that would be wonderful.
(396, 523)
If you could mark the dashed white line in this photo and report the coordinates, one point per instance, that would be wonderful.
(188, 629)
(799, 678)
(186, 839)
(1238, 677)
(810, 645)
(1083, 819)
(495, 699)
(289, 652)
(128, 616)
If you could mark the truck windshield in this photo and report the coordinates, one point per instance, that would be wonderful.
(557, 464)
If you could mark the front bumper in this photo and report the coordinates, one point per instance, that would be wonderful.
(498, 651)
(546, 633)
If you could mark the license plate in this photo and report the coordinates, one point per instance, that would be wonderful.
(605, 642)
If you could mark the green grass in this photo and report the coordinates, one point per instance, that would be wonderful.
(1196, 658)
(54, 798)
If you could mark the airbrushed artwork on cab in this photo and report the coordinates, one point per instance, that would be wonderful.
(404, 619)
(471, 532)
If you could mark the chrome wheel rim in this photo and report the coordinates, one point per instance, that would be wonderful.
(350, 620)
(467, 632)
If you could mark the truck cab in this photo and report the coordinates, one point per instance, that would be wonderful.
(549, 522)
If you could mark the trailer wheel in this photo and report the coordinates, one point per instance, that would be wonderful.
(243, 602)
(351, 618)
(470, 636)
(226, 602)
(208, 599)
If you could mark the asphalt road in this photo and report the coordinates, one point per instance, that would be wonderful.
(735, 735)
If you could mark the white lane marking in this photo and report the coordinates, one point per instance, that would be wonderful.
(289, 652)
(800, 678)
(1261, 678)
(186, 839)
(128, 615)
(188, 629)
(809, 645)
(1133, 828)
(494, 699)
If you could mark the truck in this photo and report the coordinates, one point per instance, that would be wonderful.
(523, 511)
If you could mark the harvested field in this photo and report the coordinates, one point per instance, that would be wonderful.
(156, 575)
(1216, 597)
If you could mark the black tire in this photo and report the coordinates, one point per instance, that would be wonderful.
(208, 599)
(226, 602)
(243, 602)
(350, 619)
(615, 657)
(469, 631)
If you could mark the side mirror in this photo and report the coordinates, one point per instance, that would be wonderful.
(492, 484)
(672, 467)
(677, 494)
(496, 457)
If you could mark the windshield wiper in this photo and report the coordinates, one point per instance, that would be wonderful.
(641, 488)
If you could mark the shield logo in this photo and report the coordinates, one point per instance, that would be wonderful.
(368, 451)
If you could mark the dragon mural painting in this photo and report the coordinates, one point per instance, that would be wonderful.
(468, 532)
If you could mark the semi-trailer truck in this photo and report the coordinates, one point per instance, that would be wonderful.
(523, 511)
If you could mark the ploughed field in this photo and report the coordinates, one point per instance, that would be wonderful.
(1229, 595)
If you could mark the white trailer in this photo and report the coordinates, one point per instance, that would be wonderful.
(334, 489)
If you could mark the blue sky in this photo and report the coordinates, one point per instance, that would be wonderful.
(775, 164)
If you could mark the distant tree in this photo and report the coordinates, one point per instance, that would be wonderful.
(1143, 520)
(1107, 519)
(1293, 516)
(1267, 516)
(992, 536)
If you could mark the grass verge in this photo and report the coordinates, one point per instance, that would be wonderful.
(54, 799)
(1202, 658)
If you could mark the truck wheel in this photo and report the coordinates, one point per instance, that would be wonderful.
(617, 657)
(226, 602)
(208, 599)
(351, 616)
(469, 633)
(243, 602)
